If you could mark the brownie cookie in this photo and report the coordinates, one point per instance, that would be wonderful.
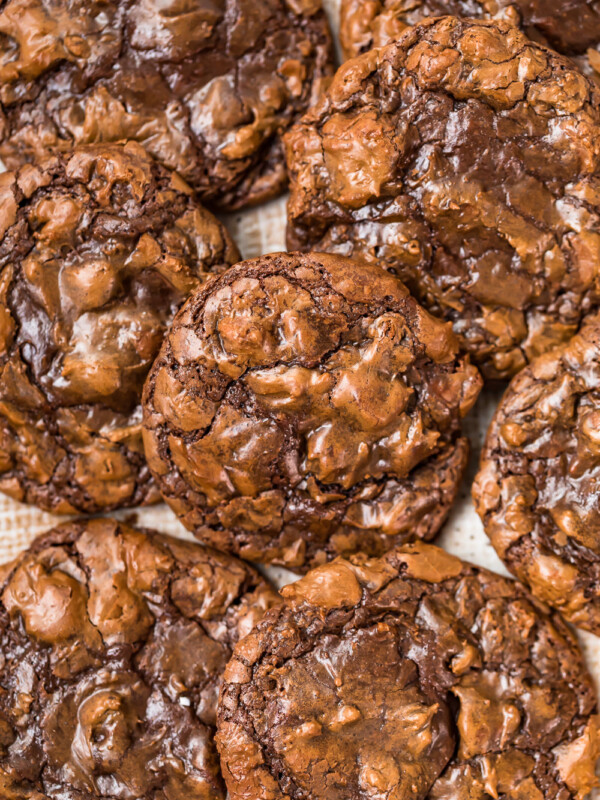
(572, 28)
(304, 406)
(465, 158)
(539, 481)
(207, 86)
(98, 249)
(409, 677)
(113, 643)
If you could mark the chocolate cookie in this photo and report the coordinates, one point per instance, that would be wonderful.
(97, 251)
(305, 405)
(466, 159)
(113, 642)
(572, 28)
(539, 482)
(205, 85)
(409, 677)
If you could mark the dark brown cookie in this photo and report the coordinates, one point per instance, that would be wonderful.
(409, 677)
(206, 86)
(97, 251)
(113, 643)
(572, 28)
(539, 482)
(466, 159)
(304, 406)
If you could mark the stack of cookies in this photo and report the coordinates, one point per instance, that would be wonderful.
(307, 409)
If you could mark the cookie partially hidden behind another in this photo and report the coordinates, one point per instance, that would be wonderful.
(98, 249)
(304, 406)
(207, 86)
(113, 644)
(538, 488)
(571, 28)
(464, 158)
(412, 676)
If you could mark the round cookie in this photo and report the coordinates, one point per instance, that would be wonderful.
(465, 158)
(113, 644)
(98, 249)
(571, 28)
(304, 406)
(539, 480)
(206, 86)
(412, 676)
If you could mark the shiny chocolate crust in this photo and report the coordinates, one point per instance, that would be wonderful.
(113, 643)
(409, 677)
(305, 406)
(466, 159)
(572, 27)
(98, 249)
(207, 86)
(539, 480)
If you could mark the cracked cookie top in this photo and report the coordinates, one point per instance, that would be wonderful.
(207, 86)
(465, 158)
(571, 28)
(98, 249)
(113, 642)
(537, 488)
(412, 676)
(304, 406)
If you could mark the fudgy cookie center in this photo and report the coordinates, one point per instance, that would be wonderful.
(350, 719)
(340, 397)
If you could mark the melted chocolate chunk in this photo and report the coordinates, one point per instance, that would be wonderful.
(412, 676)
(304, 406)
(465, 158)
(113, 643)
(207, 86)
(98, 249)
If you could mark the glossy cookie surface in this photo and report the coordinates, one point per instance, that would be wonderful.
(98, 249)
(113, 642)
(207, 86)
(539, 480)
(304, 406)
(464, 158)
(571, 28)
(412, 676)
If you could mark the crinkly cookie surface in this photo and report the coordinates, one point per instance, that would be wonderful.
(112, 646)
(98, 249)
(206, 86)
(539, 479)
(412, 676)
(304, 406)
(464, 158)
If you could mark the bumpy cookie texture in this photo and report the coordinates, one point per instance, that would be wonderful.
(465, 158)
(304, 406)
(207, 86)
(412, 676)
(113, 642)
(539, 481)
(572, 28)
(97, 251)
